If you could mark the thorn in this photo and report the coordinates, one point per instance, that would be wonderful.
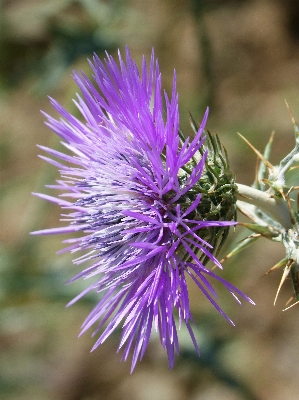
(282, 193)
(252, 236)
(296, 128)
(293, 221)
(271, 137)
(266, 182)
(276, 266)
(290, 299)
(290, 112)
(238, 248)
(285, 309)
(261, 157)
(256, 181)
(284, 276)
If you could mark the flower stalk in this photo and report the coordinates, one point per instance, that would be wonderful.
(275, 206)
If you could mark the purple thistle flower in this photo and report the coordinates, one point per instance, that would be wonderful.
(128, 195)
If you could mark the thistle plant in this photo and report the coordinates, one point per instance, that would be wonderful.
(152, 205)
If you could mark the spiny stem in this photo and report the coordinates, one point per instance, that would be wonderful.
(274, 206)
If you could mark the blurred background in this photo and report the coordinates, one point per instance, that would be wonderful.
(239, 57)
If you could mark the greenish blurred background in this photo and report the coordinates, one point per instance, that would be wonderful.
(239, 57)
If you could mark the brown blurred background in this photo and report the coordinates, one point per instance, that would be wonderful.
(239, 57)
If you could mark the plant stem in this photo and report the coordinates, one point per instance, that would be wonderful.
(273, 205)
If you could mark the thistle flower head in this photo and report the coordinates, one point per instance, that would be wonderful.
(137, 192)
